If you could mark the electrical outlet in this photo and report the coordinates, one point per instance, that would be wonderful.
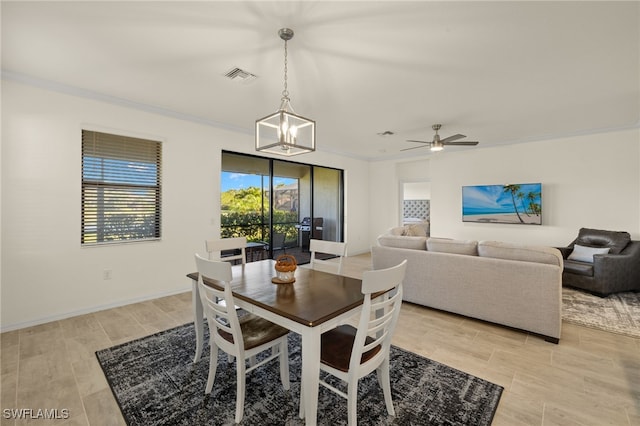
(106, 274)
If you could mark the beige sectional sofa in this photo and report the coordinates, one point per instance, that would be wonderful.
(515, 285)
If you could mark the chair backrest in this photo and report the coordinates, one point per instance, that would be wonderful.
(277, 239)
(379, 316)
(329, 247)
(616, 241)
(215, 248)
(222, 317)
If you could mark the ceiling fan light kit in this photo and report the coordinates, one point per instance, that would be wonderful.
(438, 144)
(285, 132)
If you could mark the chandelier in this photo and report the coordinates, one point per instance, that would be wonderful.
(284, 132)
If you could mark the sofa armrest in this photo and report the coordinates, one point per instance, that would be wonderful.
(619, 269)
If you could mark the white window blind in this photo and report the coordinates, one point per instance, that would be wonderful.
(121, 188)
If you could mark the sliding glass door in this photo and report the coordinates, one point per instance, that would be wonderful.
(291, 202)
(280, 205)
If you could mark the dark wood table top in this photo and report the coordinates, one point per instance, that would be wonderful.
(312, 299)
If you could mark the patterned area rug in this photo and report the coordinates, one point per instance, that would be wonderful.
(617, 313)
(156, 383)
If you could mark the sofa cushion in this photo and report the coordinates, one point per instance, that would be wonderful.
(445, 245)
(525, 253)
(615, 240)
(578, 268)
(416, 243)
(585, 254)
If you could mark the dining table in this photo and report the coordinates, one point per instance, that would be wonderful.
(314, 303)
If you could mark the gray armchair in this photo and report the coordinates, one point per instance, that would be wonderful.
(614, 272)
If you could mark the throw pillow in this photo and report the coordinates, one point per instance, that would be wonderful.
(397, 230)
(414, 231)
(585, 254)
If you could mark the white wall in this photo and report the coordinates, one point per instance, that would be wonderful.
(385, 198)
(46, 274)
(416, 190)
(588, 181)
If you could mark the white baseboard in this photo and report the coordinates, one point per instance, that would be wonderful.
(90, 310)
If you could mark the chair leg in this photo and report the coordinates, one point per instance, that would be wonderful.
(352, 402)
(284, 363)
(301, 403)
(213, 364)
(240, 378)
(385, 384)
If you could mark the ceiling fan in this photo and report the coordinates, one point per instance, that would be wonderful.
(438, 144)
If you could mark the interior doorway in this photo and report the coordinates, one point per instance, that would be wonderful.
(415, 206)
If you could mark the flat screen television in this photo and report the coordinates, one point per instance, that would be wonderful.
(513, 203)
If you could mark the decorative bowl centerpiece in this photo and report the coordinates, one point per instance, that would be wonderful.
(285, 269)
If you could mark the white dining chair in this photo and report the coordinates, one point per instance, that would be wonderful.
(240, 337)
(216, 247)
(350, 353)
(328, 247)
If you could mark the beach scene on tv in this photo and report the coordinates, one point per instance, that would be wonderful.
(512, 203)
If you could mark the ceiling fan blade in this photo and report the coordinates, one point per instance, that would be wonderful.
(452, 138)
(413, 147)
(465, 143)
(411, 140)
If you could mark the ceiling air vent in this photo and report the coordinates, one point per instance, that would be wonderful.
(240, 75)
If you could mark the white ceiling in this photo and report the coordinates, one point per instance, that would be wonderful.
(499, 72)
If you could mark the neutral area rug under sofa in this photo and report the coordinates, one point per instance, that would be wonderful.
(515, 285)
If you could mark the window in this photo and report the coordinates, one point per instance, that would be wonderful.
(121, 188)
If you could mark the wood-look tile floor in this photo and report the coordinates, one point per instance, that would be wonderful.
(590, 378)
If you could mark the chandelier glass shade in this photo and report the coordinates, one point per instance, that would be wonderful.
(284, 132)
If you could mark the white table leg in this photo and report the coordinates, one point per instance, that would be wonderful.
(198, 321)
(310, 374)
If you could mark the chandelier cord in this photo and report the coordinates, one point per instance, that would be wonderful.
(285, 92)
